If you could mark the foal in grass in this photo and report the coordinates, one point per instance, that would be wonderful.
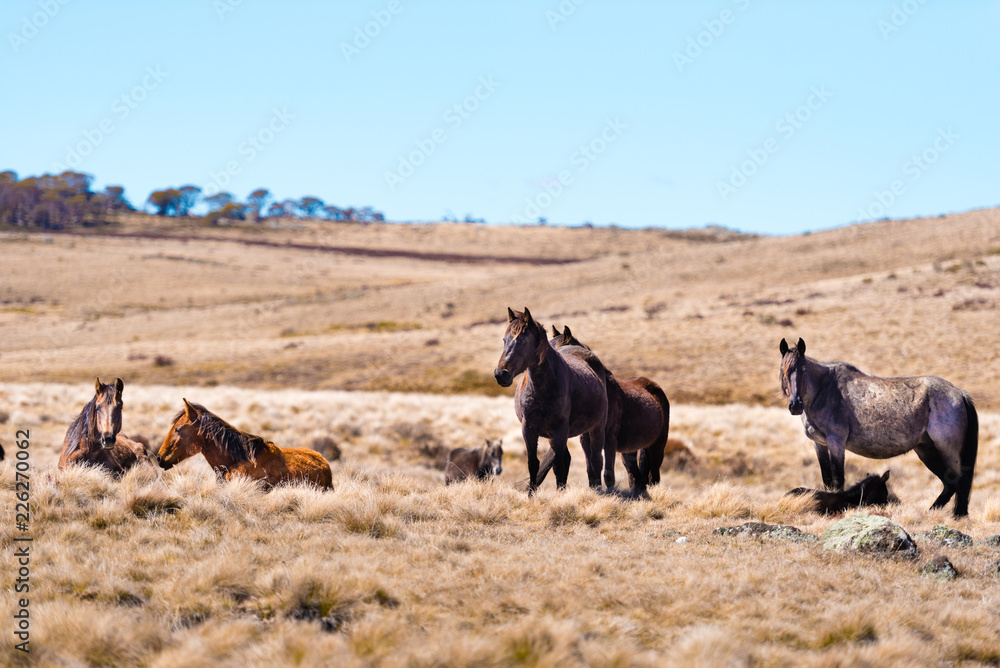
(561, 394)
(95, 437)
(845, 409)
(872, 490)
(638, 425)
(481, 463)
(232, 452)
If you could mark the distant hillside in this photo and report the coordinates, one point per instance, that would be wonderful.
(317, 304)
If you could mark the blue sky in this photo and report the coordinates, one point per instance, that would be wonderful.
(775, 117)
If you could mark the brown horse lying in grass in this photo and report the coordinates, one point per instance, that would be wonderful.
(232, 452)
(94, 436)
(873, 490)
(637, 426)
(480, 463)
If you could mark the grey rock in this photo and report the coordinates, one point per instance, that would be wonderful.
(870, 534)
(780, 531)
(940, 568)
(992, 541)
(942, 536)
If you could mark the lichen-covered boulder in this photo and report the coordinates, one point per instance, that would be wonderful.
(942, 536)
(940, 568)
(870, 534)
(781, 531)
(991, 541)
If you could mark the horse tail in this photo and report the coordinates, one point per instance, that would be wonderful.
(544, 466)
(967, 457)
(651, 457)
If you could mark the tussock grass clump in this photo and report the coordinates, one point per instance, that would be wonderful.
(305, 592)
(366, 513)
(991, 511)
(707, 647)
(67, 633)
(487, 504)
(723, 499)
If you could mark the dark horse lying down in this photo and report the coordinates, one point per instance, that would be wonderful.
(871, 491)
(479, 463)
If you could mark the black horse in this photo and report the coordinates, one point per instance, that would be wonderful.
(873, 490)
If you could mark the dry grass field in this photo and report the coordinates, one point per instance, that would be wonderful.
(390, 358)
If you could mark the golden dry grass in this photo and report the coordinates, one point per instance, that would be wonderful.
(393, 568)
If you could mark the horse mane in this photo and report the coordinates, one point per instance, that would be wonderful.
(78, 428)
(239, 445)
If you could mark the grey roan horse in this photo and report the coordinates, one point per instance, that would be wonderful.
(561, 394)
(845, 409)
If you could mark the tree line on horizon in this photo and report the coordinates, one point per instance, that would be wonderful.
(55, 201)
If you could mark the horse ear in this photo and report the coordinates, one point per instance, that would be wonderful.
(511, 316)
(885, 477)
(555, 331)
(783, 347)
(566, 333)
(190, 410)
(527, 316)
(97, 385)
(801, 347)
(119, 386)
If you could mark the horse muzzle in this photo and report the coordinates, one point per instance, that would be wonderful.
(107, 440)
(504, 377)
(795, 407)
(166, 466)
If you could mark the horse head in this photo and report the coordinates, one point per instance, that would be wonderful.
(875, 490)
(523, 346)
(492, 457)
(107, 421)
(792, 374)
(564, 338)
(183, 439)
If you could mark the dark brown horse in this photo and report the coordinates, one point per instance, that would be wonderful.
(231, 452)
(843, 409)
(95, 437)
(561, 394)
(872, 490)
(479, 463)
(637, 427)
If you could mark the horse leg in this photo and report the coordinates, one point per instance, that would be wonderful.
(956, 452)
(593, 467)
(610, 447)
(597, 448)
(929, 455)
(823, 457)
(835, 446)
(637, 483)
(531, 446)
(633, 466)
(651, 459)
(561, 465)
